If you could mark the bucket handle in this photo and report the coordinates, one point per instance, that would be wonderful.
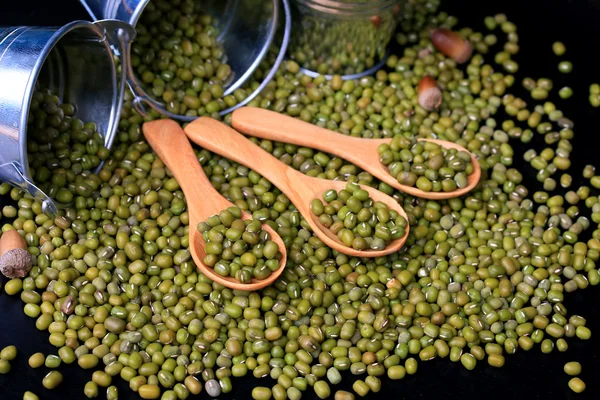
(119, 36)
(141, 99)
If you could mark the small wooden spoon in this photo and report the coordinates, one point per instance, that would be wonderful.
(270, 125)
(172, 146)
(299, 188)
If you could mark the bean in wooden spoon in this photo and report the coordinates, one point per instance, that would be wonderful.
(172, 146)
(361, 152)
(299, 188)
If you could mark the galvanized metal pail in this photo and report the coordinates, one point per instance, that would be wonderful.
(245, 34)
(77, 63)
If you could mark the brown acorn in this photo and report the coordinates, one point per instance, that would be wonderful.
(15, 260)
(451, 44)
(429, 94)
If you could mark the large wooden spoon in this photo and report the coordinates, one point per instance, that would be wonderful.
(299, 188)
(363, 153)
(172, 146)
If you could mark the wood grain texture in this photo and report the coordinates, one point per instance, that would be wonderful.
(203, 201)
(299, 188)
(361, 152)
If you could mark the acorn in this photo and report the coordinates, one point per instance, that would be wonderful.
(451, 44)
(429, 94)
(15, 260)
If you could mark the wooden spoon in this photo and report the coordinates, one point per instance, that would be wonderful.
(270, 125)
(299, 188)
(172, 146)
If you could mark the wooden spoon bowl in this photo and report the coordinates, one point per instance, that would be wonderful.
(299, 188)
(361, 152)
(172, 146)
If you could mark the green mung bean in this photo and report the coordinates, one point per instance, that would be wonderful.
(52, 380)
(559, 48)
(572, 368)
(5, 367)
(583, 332)
(52, 361)
(565, 92)
(90, 390)
(8, 353)
(360, 388)
(36, 360)
(343, 395)
(322, 389)
(101, 378)
(565, 67)
(577, 385)
(150, 391)
(562, 345)
(411, 366)
(87, 361)
(13, 286)
(30, 396)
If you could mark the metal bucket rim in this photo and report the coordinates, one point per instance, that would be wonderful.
(140, 95)
(56, 37)
(261, 56)
(347, 9)
(138, 11)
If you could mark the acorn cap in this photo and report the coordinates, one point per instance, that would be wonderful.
(16, 263)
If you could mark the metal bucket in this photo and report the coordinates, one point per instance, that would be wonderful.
(76, 62)
(245, 34)
(342, 37)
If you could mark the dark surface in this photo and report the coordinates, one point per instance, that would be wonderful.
(527, 375)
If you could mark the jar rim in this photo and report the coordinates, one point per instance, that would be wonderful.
(349, 7)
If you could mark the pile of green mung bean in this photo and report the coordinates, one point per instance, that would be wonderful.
(238, 248)
(357, 220)
(63, 150)
(177, 59)
(481, 277)
(426, 165)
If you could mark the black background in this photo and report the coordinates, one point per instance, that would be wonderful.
(527, 375)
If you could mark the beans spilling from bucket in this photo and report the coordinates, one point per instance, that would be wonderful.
(63, 150)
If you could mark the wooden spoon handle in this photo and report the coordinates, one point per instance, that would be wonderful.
(270, 125)
(171, 144)
(219, 138)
